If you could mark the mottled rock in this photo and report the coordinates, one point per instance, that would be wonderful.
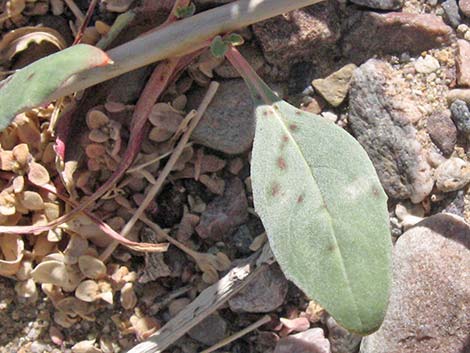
(341, 340)
(428, 310)
(380, 117)
(451, 11)
(452, 175)
(462, 61)
(335, 87)
(464, 6)
(370, 33)
(380, 4)
(266, 293)
(210, 331)
(461, 116)
(300, 35)
(310, 341)
(228, 124)
(442, 131)
(224, 213)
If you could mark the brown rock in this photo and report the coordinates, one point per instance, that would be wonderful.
(335, 87)
(224, 213)
(428, 310)
(463, 63)
(370, 33)
(464, 6)
(300, 35)
(442, 131)
(266, 293)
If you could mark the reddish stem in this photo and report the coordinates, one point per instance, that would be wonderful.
(259, 89)
(86, 21)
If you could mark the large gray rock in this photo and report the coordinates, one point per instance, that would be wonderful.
(430, 299)
(228, 125)
(380, 116)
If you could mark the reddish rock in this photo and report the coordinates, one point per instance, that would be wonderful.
(428, 308)
(300, 35)
(442, 131)
(310, 341)
(370, 33)
(463, 63)
(464, 6)
(224, 213)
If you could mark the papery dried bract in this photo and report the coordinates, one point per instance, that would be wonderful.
(11, 254)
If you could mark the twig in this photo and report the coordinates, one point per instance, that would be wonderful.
(168, 166)
(85, 22)
(265, 319)
(205, 304)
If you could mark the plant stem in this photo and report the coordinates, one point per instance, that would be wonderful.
(259, 90)
(180, 38)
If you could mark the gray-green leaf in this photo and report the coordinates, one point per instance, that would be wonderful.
(324, 211)
(35, 83)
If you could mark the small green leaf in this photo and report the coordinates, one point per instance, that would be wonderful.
(35, 83)
(186, 11)
(218, 47)
(323, 208)
(234, 39)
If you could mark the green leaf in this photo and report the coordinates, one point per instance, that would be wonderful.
(323, 208)
(234, 39)
(186, 11)
(32, 85)
(218, 47)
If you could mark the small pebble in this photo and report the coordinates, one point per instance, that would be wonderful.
(427, 64)
(452, 175)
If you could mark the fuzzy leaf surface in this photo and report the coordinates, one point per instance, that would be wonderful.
(324, 211)
(32, 85)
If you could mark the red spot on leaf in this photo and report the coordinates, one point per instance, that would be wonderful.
(300, 199)
(293, 127)
(281, 163)
(275, 189)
